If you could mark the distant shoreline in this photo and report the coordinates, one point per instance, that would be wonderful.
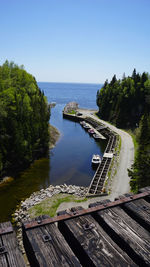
(101, 84)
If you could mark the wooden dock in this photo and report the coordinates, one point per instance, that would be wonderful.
(98, 180)
(97, 183)
(96, 131)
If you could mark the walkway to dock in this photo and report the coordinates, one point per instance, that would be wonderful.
(97, 183)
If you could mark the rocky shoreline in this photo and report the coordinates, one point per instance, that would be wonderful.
(21, 214)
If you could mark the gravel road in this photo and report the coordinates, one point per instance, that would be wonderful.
(120, 184)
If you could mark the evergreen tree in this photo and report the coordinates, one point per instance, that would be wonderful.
(126, 103)
(24, 119)
(140, 172)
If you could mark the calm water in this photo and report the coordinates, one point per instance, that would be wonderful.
(70, 161)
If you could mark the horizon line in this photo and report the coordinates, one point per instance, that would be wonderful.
(70, 82)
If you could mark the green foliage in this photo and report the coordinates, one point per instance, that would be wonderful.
(123, 102)
(73, 112)
(24, 118)
(126, 103)
(140, 172)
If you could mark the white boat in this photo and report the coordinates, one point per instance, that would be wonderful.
(96, 159)
(86, 126)
(96, 136)
(82, 123)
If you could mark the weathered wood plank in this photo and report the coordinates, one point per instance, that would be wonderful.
(3, 261)
(9, 241)
(92, 244)
(45, 246)
(127, 233)
(140, 211)
(29, 225)
(145, 189)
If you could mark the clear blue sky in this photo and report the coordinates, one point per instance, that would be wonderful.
(76, 40)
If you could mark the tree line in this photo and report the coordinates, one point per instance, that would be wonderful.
(24, 119)
(126, 103)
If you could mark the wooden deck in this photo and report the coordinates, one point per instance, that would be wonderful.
(10, 255)
(96, 131)
(106, 234)
(97, 183)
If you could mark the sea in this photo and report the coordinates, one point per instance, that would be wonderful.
(69, 161)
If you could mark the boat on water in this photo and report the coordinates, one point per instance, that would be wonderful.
(86, 126)
(96, 136)
(96, 159)
(82, 123)
(91, 131)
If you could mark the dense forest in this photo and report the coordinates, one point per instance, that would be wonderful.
(24, 119)
(126, 103)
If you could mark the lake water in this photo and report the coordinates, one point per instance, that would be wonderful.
(70, 161)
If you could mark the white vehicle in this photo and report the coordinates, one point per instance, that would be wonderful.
(96, 159)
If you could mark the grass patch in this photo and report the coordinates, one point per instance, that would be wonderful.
(49, 206)
(73, 112)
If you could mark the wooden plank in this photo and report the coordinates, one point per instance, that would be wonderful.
(45, 246)
(140, 211)
(29, 225)
(92, 244)
(9, 241)
(3, 261)
(6, 230)
(128, 234)
(145, 189)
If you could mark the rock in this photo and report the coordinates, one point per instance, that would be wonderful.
(49, 194)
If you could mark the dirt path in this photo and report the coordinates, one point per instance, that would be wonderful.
(120, 183)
